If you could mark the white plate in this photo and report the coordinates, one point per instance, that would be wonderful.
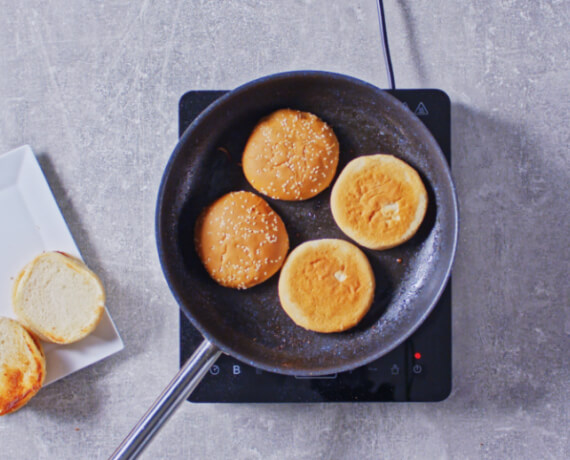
(30, 223)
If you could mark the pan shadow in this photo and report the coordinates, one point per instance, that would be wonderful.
(508, 266)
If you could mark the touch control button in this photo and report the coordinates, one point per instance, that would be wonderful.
(417, 369)
(215, 369)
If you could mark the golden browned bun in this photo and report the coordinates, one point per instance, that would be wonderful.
(291, 155)
(240, 240)
(379, 201)
(58, 298)
(22, 366)
(326, 285)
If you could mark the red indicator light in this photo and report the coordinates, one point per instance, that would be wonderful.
(417, 355)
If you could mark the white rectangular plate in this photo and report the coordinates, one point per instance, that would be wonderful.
(30, 223)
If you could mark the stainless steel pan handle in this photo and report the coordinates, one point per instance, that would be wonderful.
(178, 390)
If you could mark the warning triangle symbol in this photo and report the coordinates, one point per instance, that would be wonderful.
(421, 110)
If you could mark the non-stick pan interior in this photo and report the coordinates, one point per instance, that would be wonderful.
(250, 324)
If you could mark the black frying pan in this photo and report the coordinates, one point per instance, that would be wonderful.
(250, 325)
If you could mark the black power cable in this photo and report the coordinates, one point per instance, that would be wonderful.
(384, 36)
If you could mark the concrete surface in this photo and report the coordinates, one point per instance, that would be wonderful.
(93, 88)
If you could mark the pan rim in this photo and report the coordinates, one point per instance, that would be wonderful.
(418, 126)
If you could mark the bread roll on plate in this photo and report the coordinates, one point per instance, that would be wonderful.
(379, 201)
(22, 366)
(58, 298)
(326, 285)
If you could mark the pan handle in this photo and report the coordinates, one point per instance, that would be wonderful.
(178, 390)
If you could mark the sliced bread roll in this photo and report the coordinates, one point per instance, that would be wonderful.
(379, 201)
(58, 298)
(326, 285)
(22, 366)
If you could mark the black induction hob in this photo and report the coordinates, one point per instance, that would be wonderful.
(417, 370)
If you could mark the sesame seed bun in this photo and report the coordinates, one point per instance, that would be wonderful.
(291, 155)
(326, 285)
(379, 201)
(240, 240)
(22, 366)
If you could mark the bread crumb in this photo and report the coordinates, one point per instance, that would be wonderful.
(340, 275)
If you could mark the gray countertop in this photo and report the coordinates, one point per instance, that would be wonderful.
(93, 87)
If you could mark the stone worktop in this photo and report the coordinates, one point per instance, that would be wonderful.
(93, 88)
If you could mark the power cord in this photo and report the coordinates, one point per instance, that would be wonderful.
(384, 36)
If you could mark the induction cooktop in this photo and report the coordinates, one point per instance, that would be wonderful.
(417, 370)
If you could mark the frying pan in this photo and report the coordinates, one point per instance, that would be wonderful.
(249, 324)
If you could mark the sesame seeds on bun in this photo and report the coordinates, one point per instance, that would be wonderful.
(240, 240)
(291, 155)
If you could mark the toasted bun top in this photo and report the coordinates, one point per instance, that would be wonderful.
(326, 285)
(22, 366)
(58, 298)
(240, 240)
(379, 201)
(291, 155)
